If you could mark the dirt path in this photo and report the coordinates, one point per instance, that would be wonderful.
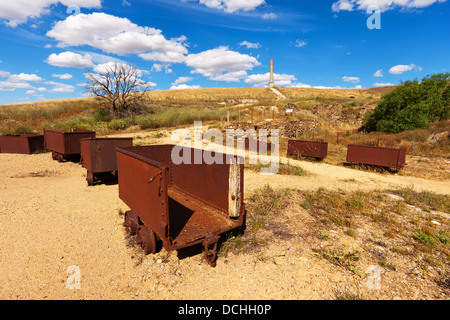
(279, 95)
(347, 179)
(51, 220)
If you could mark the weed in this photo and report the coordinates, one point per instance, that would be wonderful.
(424, 237)
(323, 236)
(341, 258)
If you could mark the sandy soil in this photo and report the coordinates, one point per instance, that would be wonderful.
(51, 220)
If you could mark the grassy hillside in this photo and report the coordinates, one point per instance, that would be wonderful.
(166, 108)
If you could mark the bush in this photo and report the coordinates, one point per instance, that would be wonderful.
(411, 106)
(120, 124)
(102, 115)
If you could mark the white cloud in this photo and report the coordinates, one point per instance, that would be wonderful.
(58, 87)
(24, 77)
(300, 43)
(12, 85)
(378, 73)
(70, 59)
(231, 6)
(261, 80)
(384, 5)
(65, 76)
(184, 86)
(4, 74)
(18, 81)
(182, 80)
(157, 67)
(111, 65)
(119, 36)
(221, 64)
(284, 80)
(383, 84)
(351, 79)
(17, 12)
(250, 45)
(401, 68)
(269, 16)
(234, 76)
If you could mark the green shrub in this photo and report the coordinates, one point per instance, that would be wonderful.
(412, 105)
(22, 130)
(102, 115)
(120, 124)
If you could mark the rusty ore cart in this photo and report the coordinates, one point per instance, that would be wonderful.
(180, 204)
(23, 143)
(65, 145)
(98, 156)
(310, 149)
(377, 156)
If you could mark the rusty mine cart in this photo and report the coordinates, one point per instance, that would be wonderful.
(180, 204)
(98, 156)
(22, 143)
(65, 145)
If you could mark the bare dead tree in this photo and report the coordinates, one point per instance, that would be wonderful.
(120, 84)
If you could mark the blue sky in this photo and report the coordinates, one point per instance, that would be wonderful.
(47, 46)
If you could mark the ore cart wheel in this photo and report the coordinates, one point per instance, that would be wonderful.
(131, 222)
(90, 178)
(54, 155)
(145, 237)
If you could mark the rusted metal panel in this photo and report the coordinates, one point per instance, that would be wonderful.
(377, 156)
(23, 143)
(99, 154)
(184, 203)
(143, 187)
(304, 148)
(66, 143)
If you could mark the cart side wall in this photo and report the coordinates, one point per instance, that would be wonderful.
(207, 182)
(66, 143)
(72, 140)
(308, 148)
(377, 156)
(143, 187)
(54, 141)
(99, 154)
(14, 144)
(85, 150)
(23, 144)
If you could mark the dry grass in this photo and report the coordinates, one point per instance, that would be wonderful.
(231, 95)
(402, 231)
(372, 93)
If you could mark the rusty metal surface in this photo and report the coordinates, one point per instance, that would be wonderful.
(66, 143)
(23, 144)
(377, 156)
(304, 148)
(99, 154)
(182, 203)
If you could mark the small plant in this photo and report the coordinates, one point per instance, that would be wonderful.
(424, 237)
(322, 236)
